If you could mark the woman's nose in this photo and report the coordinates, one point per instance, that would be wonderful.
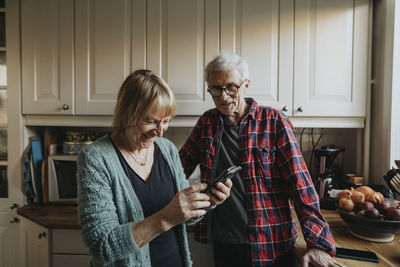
(160, 130)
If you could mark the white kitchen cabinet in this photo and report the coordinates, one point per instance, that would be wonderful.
(35, 244)
(75, 54)
(47, 53)
(182, 37)
(43, 247)
(307, 58)
(262, 33)
(9, 230)
(331, 58)
(110, 43)
(173, 38)
(69, 249)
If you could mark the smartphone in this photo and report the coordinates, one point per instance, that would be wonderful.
(356, 254)
(226, 174)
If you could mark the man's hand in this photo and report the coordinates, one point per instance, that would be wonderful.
(317, 257)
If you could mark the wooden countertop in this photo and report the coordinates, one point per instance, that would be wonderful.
(388, 253)
(52, 216)
(65, 217)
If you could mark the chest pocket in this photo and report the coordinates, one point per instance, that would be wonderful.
(265, 159)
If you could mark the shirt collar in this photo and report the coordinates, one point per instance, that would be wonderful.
(253, 108)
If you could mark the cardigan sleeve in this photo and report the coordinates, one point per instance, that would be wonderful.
(107, 239)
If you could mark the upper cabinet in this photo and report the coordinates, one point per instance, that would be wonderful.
(110, 42)
(262, 33)
(306, 58)
(182, 37)
(330, 58)
(47, 53)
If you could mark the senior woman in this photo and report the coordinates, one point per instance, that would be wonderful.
(133, 196)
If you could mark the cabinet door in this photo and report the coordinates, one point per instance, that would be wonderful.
(47, 46)
(9, 240)
(35, 244)
(182, 37)
(331, 52)
(262, 33)
(110, 43)
(60, 260)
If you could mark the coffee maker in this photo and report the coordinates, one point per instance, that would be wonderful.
(330, 169)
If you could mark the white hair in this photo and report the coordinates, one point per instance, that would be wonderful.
(226, 61)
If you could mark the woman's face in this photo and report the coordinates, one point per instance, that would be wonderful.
(147, 130)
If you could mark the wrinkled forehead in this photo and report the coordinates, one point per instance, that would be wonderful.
(224, 77)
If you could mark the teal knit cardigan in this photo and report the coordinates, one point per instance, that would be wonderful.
(108, 205)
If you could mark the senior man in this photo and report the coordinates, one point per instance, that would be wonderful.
(255, 226)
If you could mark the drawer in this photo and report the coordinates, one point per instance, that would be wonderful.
(71, 260)
(66, 241)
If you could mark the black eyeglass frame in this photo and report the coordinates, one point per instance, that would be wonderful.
(220, 88)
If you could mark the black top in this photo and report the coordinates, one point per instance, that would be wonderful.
(154, 194)
(230, 218)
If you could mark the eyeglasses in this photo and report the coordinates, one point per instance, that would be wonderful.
(230, 89)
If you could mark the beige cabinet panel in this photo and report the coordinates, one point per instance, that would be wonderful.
(9, 239)
(68, 241)
(35, 244)
(331, 58)
(262, 33)
(110, 43)
(47, 47)
(182, 37)
(71, 260)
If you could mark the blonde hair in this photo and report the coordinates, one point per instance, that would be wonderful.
(141, 93)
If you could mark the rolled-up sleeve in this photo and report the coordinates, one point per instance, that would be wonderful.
(292, 167)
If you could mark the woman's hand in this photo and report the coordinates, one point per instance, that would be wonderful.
(220, 193)
(188, 203)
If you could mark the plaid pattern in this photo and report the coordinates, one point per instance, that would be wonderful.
(274, 175)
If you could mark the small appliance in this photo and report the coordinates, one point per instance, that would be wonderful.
(330, 169)
(62, 178)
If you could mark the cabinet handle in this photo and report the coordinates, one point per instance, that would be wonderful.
(13, 206)
(42, 235)
(300, 109)
(65, 107)
(285, 108)
(14, 220)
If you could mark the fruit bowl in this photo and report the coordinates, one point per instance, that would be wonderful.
(370, 229)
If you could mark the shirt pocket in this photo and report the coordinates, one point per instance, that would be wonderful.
(265, 159)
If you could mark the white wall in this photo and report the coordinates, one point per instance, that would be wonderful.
(385, 108)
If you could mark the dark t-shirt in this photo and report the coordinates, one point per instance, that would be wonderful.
(230, 218)
(154, 194)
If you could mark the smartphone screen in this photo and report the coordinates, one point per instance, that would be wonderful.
(356, 254)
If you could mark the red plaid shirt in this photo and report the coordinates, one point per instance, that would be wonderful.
(273, 173)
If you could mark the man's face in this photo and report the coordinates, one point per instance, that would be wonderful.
(225, 103)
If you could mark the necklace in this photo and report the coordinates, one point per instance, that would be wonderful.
(141, 163)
